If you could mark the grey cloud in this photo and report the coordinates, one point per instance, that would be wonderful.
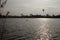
(14, 4)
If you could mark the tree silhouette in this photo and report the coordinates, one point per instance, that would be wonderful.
(31, 15)
(7, 13)
(22, 15)
(43, 11)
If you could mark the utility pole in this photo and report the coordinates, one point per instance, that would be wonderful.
(0, 6)
(3, 20)
(0, 3)
(3, 27)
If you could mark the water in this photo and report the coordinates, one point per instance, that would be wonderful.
(30, 28)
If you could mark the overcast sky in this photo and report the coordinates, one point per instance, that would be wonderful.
(33, 6)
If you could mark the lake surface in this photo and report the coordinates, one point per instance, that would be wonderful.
(30, 28)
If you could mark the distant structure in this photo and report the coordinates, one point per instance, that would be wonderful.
(43, 10)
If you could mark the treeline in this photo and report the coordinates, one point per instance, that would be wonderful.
(31, 16)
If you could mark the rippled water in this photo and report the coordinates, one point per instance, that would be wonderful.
(30, 29)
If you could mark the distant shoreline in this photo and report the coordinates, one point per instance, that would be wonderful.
(31, 16)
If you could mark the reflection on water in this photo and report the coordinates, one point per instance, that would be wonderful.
(44, 29)
(31, 29)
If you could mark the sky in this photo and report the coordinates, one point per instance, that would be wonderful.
(26, 7)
